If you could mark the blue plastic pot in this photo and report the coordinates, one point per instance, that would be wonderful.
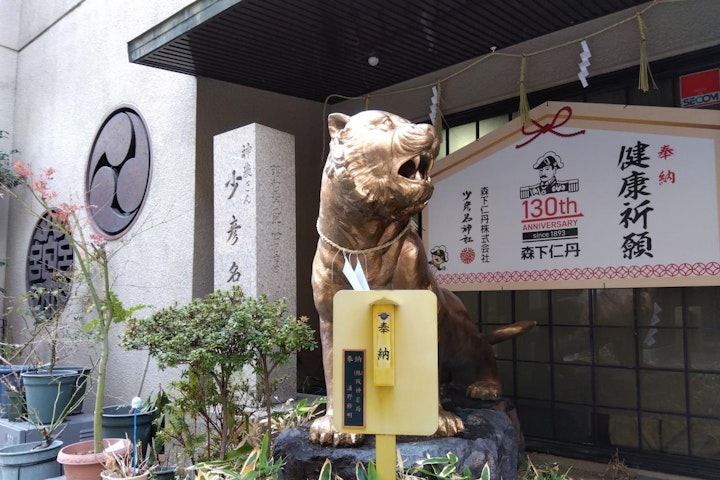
(48, 397)
(14, 379)
(24, 462)
(81, 386)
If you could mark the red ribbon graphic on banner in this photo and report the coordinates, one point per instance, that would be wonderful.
(550, 127)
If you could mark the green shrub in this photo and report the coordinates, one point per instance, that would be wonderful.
(212, 339)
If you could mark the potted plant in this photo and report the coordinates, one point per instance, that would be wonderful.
(134, 420)
(35, 459)
(12, 392)
(165, 460)
(213, 338)
(30, 460)
(38, 459)
(135, 463)
(90, 275)
(130, 464)
(49, 390)
(80, 461)
(164, 464)
(50, 394)
(11, 382)
(13, 400)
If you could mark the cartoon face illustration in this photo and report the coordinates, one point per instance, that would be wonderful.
(438, 256)
(547, 173)
(547, 166)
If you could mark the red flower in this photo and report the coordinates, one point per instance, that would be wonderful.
(21, 170)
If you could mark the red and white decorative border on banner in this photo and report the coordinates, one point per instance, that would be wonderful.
(595, 273)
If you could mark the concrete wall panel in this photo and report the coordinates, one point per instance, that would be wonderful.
(70, 77)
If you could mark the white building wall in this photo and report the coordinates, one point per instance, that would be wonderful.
(9, 23)
(72, 72)
(38, 15)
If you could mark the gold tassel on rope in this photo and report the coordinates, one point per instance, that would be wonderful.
(524, 108)
(645, 73)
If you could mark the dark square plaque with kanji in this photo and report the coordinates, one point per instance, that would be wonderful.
(353, 388)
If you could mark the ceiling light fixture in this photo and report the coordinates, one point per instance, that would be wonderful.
(373, 60)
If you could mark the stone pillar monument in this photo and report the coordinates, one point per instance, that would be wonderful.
(254, 201)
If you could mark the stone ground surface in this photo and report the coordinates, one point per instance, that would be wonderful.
(584, 470)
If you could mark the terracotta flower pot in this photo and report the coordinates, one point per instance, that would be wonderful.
(81, 463)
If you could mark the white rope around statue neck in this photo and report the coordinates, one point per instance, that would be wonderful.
(365, 250)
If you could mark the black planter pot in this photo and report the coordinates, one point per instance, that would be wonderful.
(163, 474)
(118, 422)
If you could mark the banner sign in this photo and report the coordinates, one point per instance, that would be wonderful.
(588, 196)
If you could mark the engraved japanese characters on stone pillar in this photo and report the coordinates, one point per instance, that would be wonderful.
(254, 224)
(254, 202)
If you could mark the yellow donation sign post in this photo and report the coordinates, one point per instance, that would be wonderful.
(385, 364)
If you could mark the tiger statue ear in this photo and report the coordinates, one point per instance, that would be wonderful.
(336, 122)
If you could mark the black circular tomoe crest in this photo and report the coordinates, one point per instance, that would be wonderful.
(118, 173)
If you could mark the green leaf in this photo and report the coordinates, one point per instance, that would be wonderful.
(360, 471)
(447, 471)
(326, 470)
(485, 475)
(434, 461)
(372, 471)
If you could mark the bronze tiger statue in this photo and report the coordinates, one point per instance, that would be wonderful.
(375, 180)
